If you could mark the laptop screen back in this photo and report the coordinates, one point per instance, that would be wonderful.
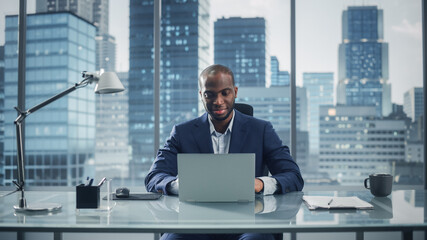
(216, 177)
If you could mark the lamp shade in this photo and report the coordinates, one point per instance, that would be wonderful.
(108, 83)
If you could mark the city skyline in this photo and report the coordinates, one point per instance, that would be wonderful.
(187, 27)
(402, 30)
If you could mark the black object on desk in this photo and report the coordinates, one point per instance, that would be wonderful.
(87, 196)
(122, 192)
(137, 196)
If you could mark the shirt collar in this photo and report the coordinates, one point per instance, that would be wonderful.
(229, 128)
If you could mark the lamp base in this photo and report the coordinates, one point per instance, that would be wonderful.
(38, 207)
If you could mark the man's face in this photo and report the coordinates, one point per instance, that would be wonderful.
(218, 95)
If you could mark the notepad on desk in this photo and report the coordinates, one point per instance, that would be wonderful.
(326, 202)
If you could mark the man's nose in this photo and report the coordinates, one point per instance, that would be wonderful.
(219, 100)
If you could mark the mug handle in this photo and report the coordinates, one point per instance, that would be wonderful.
(366, 183)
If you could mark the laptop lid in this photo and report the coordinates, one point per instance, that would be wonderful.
(208, 177)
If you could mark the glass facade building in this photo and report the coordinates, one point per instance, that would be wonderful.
(278, 78)
(1, 113)
(82, 8)
(413, 103)
(320, 91)
(354, 143)
(111, 155)
(184, 53)
(363, 60)
(60, 138)
(241, 44)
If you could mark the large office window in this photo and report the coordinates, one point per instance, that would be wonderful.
(359, 94)
(361, 65)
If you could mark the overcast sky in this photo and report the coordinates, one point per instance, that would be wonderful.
(318, 27)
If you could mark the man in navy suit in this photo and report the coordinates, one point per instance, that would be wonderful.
(222, 129)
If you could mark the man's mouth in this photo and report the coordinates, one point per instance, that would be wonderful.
(219, 112)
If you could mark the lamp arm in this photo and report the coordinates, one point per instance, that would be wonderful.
(22, 115)
(18, 123)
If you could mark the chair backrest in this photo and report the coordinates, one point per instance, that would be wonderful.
(244, 108)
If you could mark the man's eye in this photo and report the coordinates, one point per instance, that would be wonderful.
(207, 95)
(225, 93)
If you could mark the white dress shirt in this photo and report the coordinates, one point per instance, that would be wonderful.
(221, 144)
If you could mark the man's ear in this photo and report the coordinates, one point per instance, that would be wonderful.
(235, 91)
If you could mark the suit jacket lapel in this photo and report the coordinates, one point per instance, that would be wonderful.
(238, 133)
(202, 135)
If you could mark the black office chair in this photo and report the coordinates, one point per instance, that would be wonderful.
(244, 108)
(249, 110)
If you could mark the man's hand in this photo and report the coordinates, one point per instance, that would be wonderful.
(259, 185)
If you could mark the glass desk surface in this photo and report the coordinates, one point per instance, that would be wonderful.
(403, 209)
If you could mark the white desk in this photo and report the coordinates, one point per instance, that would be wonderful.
(403, 211)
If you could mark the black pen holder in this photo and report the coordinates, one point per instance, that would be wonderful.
(87, 196)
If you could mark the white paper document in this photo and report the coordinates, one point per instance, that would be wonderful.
(325, 202)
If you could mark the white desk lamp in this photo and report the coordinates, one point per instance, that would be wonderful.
(108, 82)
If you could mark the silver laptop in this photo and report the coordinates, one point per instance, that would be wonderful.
(216, 177)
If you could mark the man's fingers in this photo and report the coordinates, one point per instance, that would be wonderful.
(259, 185)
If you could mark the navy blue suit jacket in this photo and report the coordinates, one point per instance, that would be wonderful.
(249, 135)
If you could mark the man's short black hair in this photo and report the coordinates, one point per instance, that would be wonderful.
(214, 69)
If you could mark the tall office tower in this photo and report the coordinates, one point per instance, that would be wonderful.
(413, 103)
(105, 43)
(272, 104)
(185, 52)
(82, 8)
(355, 143)
(278, 78)
(241, 44)
(1, 115)
(60, 138)
(363, 60)
(320, 91)
(106, 52)
(96, 12)
(111, 156)
(100, 16)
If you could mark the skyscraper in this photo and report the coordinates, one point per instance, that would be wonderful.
(96, 12)
(111, 156)
(320, 91)
(185, 52)
(82, 8)
(100, 16)
(278, 78)
(363, 60)
(1, 114)
(109, 131)
(105, 43)
(106, 52)
(60, 137)
(413, 103)
(241, 44)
